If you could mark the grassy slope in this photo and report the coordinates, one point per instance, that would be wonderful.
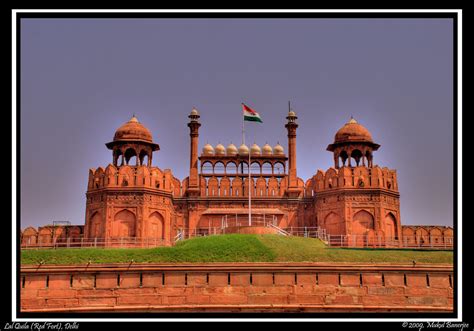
(235, 248)
(229, 248)
(300, 249)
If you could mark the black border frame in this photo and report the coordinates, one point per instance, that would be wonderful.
(208, 14)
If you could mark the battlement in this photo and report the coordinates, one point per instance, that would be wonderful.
(133, 177)
(48, 234)
(352, 177)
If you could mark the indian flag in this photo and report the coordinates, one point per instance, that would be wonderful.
(250, 114)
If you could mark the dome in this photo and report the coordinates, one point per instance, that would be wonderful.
(267, 150)
(243, 150)
(194, 112)
(255, 150)
(232, 150)
(291, 113)
(353, 132)
(278, 150)
(208, 150)
(133, 130)
(220, 149)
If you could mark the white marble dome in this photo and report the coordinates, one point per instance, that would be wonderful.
(278, 150)
(232, 150)
(219, 150)
(243, 150)
(208, 150)
(267, 150)
(255, 150)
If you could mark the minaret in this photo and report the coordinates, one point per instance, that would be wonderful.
(193, 187)
(291, 126)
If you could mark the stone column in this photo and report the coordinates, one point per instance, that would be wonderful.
(291, 126)
(193, 186)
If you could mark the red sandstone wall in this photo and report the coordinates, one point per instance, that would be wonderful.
(237, 287)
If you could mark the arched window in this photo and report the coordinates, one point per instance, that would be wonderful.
(219, 168)
(130, 156)
(255, 168)
(267, 168)
(143, 157)
(206, 168)
(244, 168)
(231, 168)
(356, 155)
(279, 169)
(343, 155)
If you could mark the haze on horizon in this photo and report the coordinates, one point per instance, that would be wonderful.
(83, 78)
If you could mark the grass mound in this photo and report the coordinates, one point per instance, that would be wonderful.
(235, 248)
(228, 248)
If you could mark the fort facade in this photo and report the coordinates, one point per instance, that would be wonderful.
(130, 198)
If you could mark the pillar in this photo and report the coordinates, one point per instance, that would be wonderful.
(291, 126)
(193, 186)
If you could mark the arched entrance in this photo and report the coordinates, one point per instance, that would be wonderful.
(155, 226)
(363, 222)
(123, 225)
(334, 224)
(95, 226)
(390, 227)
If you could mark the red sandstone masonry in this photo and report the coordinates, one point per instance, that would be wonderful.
(175, 278)
(240, 279)
(197, 279)
(394, 279)
(300, 286)
(416, 280)
(350, 279)
(285, 278)
(328, 279)
(129, 280)
(372, 279)
(262, 279)
(59, 281)
(152, 279)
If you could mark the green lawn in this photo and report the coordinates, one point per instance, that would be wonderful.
(235, 248)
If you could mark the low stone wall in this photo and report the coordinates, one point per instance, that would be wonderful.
(310, 287)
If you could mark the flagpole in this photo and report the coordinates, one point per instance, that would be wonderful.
(243, 129)
(250, 201)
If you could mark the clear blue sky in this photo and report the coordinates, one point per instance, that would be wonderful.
(82, 78)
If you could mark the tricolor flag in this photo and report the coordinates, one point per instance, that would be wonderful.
(250, 114)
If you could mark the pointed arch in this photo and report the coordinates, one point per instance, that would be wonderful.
(123, 225)
(95, 225)
(363, 222)
(224, 187)
(156, 225)
(391, 230)
(334, 224)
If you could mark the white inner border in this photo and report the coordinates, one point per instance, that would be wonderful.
(14, 165)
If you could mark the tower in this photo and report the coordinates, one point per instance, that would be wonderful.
(291, 126)
(193, 187)
(131, 201)
(357, 200)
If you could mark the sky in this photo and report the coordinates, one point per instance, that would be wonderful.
(83, 78)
